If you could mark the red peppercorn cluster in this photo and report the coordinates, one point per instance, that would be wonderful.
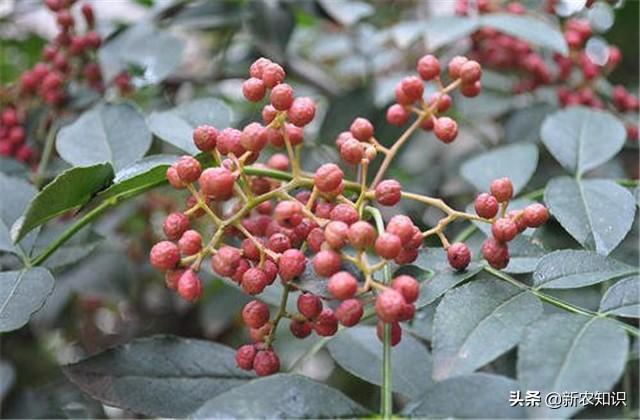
(506, 225)
(267, 228)
(464, 73)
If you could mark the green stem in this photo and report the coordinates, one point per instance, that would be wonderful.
(386, 397)
(46, 155)
(569, 307)
(282, 310)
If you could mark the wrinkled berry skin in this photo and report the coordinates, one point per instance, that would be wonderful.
(217, 183)
(349, 312)
(361, 129)
(496, 253)
(408, 287)
(190, 243)
(362, 235)
(328, 177)
(502, 189)
(255, 314)
(175, 225)
(428, 67)
(302, 111)
(300, 329)
(504, 229)
(205, 137)
(190, 286)
(165, 255)
(291, 264)
(326, 324)
(459, 256)
(309, 305)
(486, 205)
(388, 192)
(535, 215)
(245, 355)
(389, 305)
(266, 363)
(254, 281)
(388, 245)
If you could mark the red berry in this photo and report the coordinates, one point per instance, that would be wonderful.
(171, 278)
(328, 177)
(408, 287)
(535, 215)
(190, 243)
(428, 67)
(309, 305)
(278, 242)
(326, 323)
(517, 217)
(10, 117)
(226, 261)
(445, 129)
(253, 89)
(470, 72)
(258, 66)
(389, 305)
(344, 212)
(502, 189)
(349, 312)
(205, 137)
(254, 280)
(302, 111)
(342, 285)
(266, 363)
(255, 314)
(190, 286)
(278, 161)
(282, 97)
(388, 192)
(352, 151)
(397, 115)
(229, 141)
(496, 253)
(272, 74)
(471, 90)
(259, 334)
(64, 18)
(188, 168)
(92, 40)
(288, 213)
(455, 66)
(401, 97)
(361, 129)
(217, 183)
(254, 137)
(315, 239)
(165, 255)
(413, 87)
(291, 264)
(362, 235)
(408, 312)
(295, 134)
(335, 234)
(250, 250)
(54, 5)
(271, 270)
(486, 205)
(300, 329)
(443, 101)
(245, 356)
(504, 229)
(401, 226)
(326, 263)
(406, 256)
(396, 332)
(87, 12)
(458, 255)
(243, 266)
(388, 245)
(174, 178)
(268, 114)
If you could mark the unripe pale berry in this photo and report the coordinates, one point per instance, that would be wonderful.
(535, 215)
(502, 189)
(361, 129)
(342, 285)
(190, 243)
(254, 137)
(388, 245)
(458, 255)
(255, 314)
(188, 168)
(254, 280)
(328, 177)
(190, 286)
(245, 356)
(175, 225)
(327, 262)
(389, 305)
(445, 129)
(344, 212)
(455, 65)
(428, 67)
(397, 115)
(504, 229)
(408, 287)
(291, 264)
(486, 205)
(352, 151)
(266, 363)
(281, 97)
(349, 312)
(361, 235)
(174, 178)
(326, 323)
(470, 72)
(300, 329)
(302, 111)
(205, 137)
(165, 255)
(272, 74)
(401, 226)
(396, 332)
(413, 87)
(496, 253)
(253, 89)
(217, 183)
(388, 192)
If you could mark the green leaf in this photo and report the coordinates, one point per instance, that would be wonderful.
(347, 12)
(404, 33)
(582, 138)
(524, 124)
(12, 167)
(148, 172)
(443, 30)
(477, 322)
(359, 351)
(113, 133)
(71, 189)
(157, 52)
(159, 376)
(479, 395)
(517, 161)
(176, 125)
(22, 293)
(528, 28)
(280, 396)
(566, 269)
(585, 209)
(623, 298)
(566, 352)
(436, 275)
(16, 194)
(525, 254)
